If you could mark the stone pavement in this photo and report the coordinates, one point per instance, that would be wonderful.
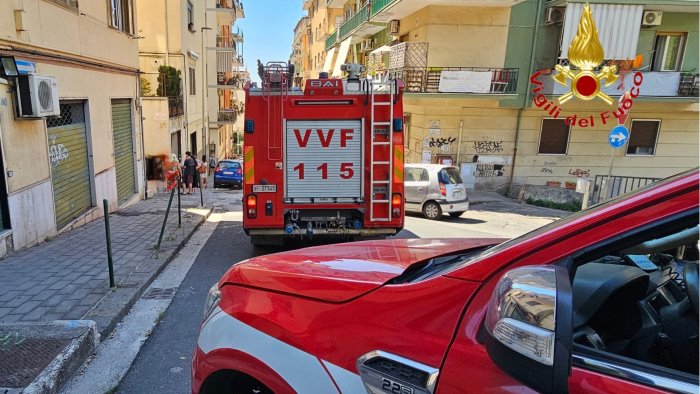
(66, 278)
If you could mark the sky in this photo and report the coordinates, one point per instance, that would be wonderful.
(268, 31)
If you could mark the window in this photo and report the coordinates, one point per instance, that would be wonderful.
(121, 12)
(193, 85)
(416, 174)
(554, 137)
(668, 51)
(190, 14)
(643, 136)
(71, 4)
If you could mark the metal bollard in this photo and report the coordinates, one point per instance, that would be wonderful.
(110, 262)
(179, 210)
(165, 220)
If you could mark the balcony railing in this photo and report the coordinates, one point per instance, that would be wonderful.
(229, 4)
(379, 5)
(176, 106)
(227, 115)
(351, 24)
(331, 40)
(225, 42)
(458, 79)
(688, 86)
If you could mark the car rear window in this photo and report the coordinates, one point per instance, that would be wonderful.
(229, 164)
(449, 176)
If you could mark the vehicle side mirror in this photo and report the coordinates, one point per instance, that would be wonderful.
(529, 327)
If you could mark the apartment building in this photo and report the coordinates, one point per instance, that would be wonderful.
(70, 130)
(322, 20)
(300, 56)
(469, 100)
(451, 56)
(651, 42)
(190, 64)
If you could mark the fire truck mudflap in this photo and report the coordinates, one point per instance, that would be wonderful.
(325, 161)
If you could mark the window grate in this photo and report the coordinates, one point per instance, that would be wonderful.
(71, 113)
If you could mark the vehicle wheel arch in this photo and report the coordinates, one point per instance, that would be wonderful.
(228, 380)
(425, 203)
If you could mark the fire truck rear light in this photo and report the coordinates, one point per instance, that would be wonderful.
(396, 201)
(249, 126)
(398, 124)
(252, 203)
(443, 189)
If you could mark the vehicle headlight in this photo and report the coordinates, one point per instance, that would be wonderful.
(213, 299)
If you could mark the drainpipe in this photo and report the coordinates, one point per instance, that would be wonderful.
(527, 91)
(459, 142)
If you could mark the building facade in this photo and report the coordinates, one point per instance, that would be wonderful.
(322, 18)
(57, 169)
(190, 63)
(469, 99)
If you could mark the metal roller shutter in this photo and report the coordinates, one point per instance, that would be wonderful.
(70, 170)
(317, 148)
(123, 148)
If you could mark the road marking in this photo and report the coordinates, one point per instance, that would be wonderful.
(115, 355)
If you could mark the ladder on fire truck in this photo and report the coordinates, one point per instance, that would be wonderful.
(376, 166)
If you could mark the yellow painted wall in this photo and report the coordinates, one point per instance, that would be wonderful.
(325, 18)
(49, 26)
(156, 126)
(460, 36)
(487, 134)
(589, 152)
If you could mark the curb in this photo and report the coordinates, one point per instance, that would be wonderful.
(127, 292)
(66, 363)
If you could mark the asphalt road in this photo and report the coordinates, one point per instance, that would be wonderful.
(163, 364)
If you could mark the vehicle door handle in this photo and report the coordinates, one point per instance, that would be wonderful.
(420, 189)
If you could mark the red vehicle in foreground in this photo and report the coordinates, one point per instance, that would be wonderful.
(605, 300)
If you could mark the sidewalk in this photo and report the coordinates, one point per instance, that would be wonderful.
(66, 278)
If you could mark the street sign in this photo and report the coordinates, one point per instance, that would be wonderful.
(618, 136)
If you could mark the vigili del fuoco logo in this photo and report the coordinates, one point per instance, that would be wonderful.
(586, 55)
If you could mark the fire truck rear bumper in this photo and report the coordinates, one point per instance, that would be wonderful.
(324, 231)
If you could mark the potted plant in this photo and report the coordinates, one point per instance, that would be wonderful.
(553, 184)
(570, 185)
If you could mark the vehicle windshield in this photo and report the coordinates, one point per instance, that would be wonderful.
(563, 221)
(449, 176)
(229, 164)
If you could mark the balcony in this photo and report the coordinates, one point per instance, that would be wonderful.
(386, 10)
(457, 80)
(331, 40)
(226, 42)
(379, 6)
(176, 106)
(230, 6)
(335, 3)
(226, 116)
(656, 84)
(354, 22)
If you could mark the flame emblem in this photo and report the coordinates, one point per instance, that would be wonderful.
(586, 53)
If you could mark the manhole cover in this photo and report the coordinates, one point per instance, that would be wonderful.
(21, 359)
(160, 294)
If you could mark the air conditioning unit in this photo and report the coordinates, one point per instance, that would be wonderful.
(37, 96)
(554, 15)
(394, 27)
(652, 18)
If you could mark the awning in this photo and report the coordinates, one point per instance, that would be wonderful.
(381, 49)
(618, 28)
(329, 60)
(342, 55)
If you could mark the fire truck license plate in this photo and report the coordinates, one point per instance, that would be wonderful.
(264, 188)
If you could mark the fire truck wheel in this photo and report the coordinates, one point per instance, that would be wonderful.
(432, 210)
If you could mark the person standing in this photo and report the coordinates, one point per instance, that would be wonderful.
(190, 169)
(203, 172)
(212, 164)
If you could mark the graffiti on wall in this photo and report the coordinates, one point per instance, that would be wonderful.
(490, 169)
(579, 172)
(57, 153)
(488, 146)
(441, 142)
(546, 170)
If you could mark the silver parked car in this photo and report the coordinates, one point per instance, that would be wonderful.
(434, 189)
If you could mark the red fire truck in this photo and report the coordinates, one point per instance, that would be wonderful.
(327, 160)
